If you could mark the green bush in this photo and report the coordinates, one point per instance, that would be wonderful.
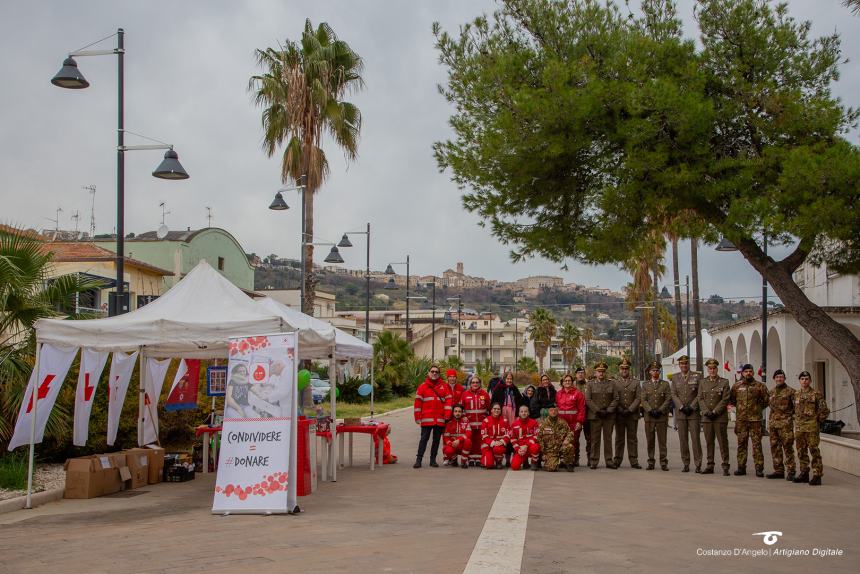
(13, 470)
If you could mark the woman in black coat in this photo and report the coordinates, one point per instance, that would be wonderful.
(508, 396)
(528, 395)
(543, 397)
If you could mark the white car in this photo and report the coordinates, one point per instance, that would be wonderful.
(319, 390)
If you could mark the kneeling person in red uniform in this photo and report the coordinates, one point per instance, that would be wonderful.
(495, 438)
(524, 440)
(457, 439)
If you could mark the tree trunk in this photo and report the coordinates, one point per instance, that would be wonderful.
(697, 317)
(307, 304)
(655, 321)
(679, 322)
(835, 337)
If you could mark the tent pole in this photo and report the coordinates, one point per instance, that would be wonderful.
(371, 389)
(333, 399)
(140, 395)
(35, 398)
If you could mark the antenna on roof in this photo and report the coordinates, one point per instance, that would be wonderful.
(76, 217)
(92, 190)
(164, 211)
(56, 222)
(209, 216)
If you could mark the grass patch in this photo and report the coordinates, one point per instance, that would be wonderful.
(13, 471)
(363, 409)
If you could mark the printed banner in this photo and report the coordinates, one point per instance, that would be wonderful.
(54, 363)
(121, 367)
(92, 365)
(257, 461)
(155, 371)
(183, 391)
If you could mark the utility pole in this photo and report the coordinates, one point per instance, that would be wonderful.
(92, 190)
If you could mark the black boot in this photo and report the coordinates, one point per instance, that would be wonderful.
(686, 468)
(636, 465)
(433, 463)
(650, 466)
(417, 464)
(741, 471)
(664, 467)
(776, 474)
(708, 470)
(790, 476)
(570, 467)
(759, 471)
(802, 477)
(815, 481)
(726, 472)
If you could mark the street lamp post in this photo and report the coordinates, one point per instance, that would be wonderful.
(725, 245)
(70, 77)
(345, 242)
(459, 299)
(392, 285)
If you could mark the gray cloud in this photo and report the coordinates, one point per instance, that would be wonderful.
(188, 65)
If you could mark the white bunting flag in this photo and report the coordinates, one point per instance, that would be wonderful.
(155, 370)
(92, 365)
(54, 363)
(121, 367)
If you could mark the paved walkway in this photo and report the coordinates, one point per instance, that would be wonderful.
(397, 519)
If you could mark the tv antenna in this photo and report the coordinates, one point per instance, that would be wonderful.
(76, 217)
(164, 211)
(209, 216)
(92, 190)
(56, 221)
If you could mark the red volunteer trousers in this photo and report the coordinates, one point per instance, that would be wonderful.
(450, 452)
(492, 456)
(532, 454)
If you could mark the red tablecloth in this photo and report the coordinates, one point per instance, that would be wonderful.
(378, 431)
(204, 429)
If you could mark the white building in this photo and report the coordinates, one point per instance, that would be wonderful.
(791, 348)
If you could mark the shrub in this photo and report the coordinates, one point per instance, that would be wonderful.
(13, 470)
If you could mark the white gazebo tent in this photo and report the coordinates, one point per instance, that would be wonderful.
(194, 319)
(670, 363)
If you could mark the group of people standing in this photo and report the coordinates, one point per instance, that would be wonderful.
(543, 427)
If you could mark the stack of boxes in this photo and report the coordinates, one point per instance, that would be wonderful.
(103, 474)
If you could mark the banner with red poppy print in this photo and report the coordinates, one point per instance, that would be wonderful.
(257, 460)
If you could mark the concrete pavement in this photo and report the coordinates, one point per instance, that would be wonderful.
(397, 519)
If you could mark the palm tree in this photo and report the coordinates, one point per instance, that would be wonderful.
(587, 336)
(854, 5)
(571, 339)
(527, 365)
(302, 91)
(697, 316)
(28, 293)
(646, 266)
(541, 329)
(679, 332)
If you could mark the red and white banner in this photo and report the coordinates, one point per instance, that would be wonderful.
(53, 366)
(257, 461)
(183, 391)
(155, 370)
(121, 367)
(92, 365)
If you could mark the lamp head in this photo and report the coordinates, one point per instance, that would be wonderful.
(333, 256)
(170, 168)
(344, 241)
(69, 76)
(278, 204)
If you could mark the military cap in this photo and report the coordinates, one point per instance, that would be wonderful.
(654, 366)
(600, 366)
(552, 405)
(747, 366)
(712, 363)
(624, 363)
(579, 370)
(779, 372)
(683, 359)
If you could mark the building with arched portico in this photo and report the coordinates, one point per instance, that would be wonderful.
(792, 349)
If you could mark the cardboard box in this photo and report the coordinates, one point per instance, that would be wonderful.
(137, 460)
(156, 463)
(111, 481)
(121, 475)
(84, 478)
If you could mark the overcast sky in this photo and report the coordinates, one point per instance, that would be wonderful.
(187, 69)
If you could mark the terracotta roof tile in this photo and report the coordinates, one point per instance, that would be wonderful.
(69, 251)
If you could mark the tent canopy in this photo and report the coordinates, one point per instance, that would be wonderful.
(194, 319)
(346, 346)
(670, 363)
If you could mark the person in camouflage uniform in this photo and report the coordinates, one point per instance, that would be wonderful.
(556, 441)
(629, 394)
(601, 400)
(656, 398)
(750, 398)
(581, 383)
(810, 411)
(685, 390)
(714, 394)
(781, 426)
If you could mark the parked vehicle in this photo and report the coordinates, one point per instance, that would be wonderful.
(319, 390)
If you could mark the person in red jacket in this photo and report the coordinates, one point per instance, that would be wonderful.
(495, 438)
(456, 388)
(433, 403)
(524, 440)
(457, 439)
(476, 401)
(571, 407)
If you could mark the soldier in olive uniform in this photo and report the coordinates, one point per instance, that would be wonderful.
(810, 411)
(714, 394)
(627, 418)
(781, 426)
(601, 400)
(750, 398)
(581, 383)
(556, 441)
(656, 398)
(685, 390)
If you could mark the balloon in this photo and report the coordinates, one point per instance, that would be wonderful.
(304, 379)
(337, 392)
(364, 389)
